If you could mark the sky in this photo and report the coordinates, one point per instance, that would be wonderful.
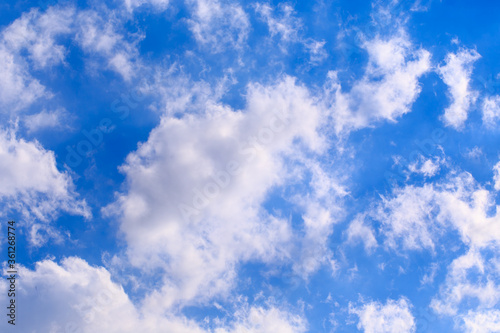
(215, 166)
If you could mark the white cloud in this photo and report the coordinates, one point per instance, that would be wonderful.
(195, 189)
(405, 218)
(421, 5)
(429, 277)
(72, 297)
(322, 206)
(418, 217)
(314, 250)
(45, 119)
(218, 25)
(36, 41)
(159, 5)
(359, 231)
(456, 75)
(260, 320)
(287, 26)
(393, 317)
(75, 297)
(474, 153)
(496, 176)
(18, 89)
(469, 277)
(38, 34)
(283, 23)
(35, 34)
(316, 50)
(426, 166)
(98, 34)
(386, 91)
(207, 237)
(482, 321)
(177, 94)
(491, 110)
(42, 195)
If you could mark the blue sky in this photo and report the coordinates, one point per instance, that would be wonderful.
(223, 166)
